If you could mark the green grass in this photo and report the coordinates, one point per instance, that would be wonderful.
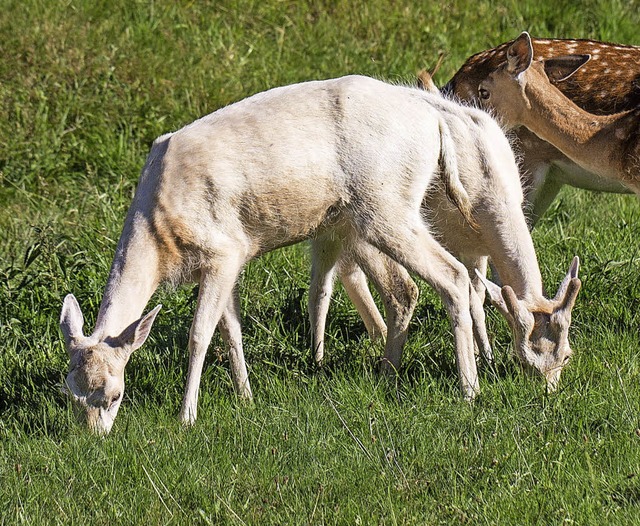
(86, 87)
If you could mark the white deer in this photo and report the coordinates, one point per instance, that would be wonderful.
(347, 159)
(606, 83)
(490, 176)
(522, 94)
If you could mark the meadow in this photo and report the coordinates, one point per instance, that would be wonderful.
(85, 87)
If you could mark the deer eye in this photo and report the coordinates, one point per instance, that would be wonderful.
(483, 93)
(114, 399)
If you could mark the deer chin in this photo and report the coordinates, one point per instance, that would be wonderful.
(532, 366)
(98, 420)
(552, 378)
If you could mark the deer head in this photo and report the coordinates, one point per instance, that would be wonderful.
(608, 83)
(505, 89)
(96, 370)
(541, 331)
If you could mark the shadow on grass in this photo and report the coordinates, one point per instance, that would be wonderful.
(627, 495)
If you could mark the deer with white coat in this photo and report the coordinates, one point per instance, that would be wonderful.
(346, 159)
(607, 82)
(490, 177)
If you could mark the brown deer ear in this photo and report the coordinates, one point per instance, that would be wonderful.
(561, 68)
(520, 54)
(424, 80)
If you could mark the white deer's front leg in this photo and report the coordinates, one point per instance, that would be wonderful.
(216, 288)
(481, 340)
(399, 294)
(412, 245)
(465, 360)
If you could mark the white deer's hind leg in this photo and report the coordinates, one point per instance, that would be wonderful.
(399, 294)
(324, 254)
(231, 332)
(410, 243)
(355, 284)
(477, 294)
(216, 289)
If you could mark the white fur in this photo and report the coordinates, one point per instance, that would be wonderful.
(490, 177)
(348, 159)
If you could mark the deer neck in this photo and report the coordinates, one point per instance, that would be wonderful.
(507, 240)
(585, 138)
(517, 265)
(133, 278)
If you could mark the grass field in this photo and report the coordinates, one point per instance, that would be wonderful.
(85, 87)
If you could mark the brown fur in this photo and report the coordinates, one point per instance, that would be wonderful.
(608, 83)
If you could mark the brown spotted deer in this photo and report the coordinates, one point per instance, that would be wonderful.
(522, 94)
(608, 82)
(347, 159)
(491, 180)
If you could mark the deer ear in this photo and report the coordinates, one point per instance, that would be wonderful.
(425, 82)
(561, 68)
(518, 312)
(569, 299)
(511, 301)
(571, 274)
(495, 293)
(520, 54)
(71, 319)
(136, 333)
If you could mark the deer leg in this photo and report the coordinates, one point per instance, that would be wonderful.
(399, 294)
(410, 243)
(324, 254)
(355, 284)
(477, 293)
(539, 196)
(231, 332)
(216, 289)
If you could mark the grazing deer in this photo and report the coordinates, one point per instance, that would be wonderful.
(347, 159)
(490, 177)
(522, 94)
(608, 82)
